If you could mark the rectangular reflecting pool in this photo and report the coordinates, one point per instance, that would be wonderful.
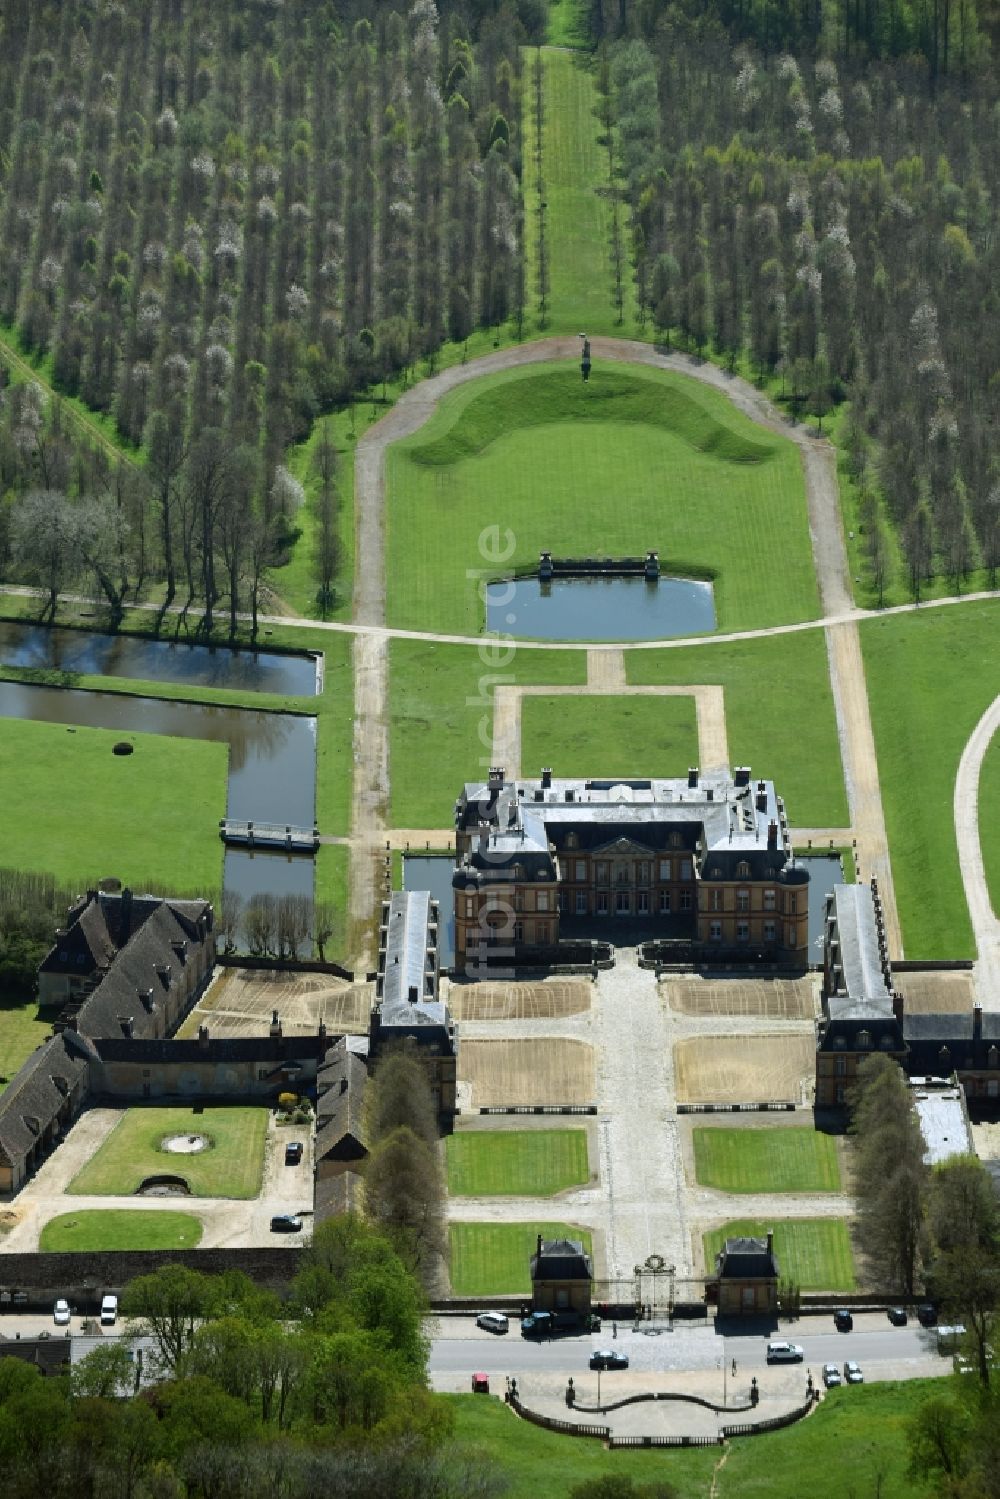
(600, 608)
(157, 660)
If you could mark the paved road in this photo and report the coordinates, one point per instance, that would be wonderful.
(878, 1347)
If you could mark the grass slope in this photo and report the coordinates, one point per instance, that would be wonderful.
(491, 1259)
(21, 1030)
(813, 1252)
(441, 720)
(854, 1444)
(931, 676)
(779, 714)
(511, 1163)
(766, 1160)
(134, 820)
(231, 1168)
(636, 458)
(610, 736)
(119, 1228)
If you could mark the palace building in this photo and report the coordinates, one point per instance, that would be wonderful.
(705, 859)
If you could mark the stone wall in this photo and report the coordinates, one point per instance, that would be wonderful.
(84, 1278)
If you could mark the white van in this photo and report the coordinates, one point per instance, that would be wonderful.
(492, 1321)
(785, 1353)
(109, 1311)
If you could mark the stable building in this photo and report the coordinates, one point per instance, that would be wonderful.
(408, 1009)
(862, 1012)
(706, 858)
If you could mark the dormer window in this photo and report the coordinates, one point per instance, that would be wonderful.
(864, 1040)
(675, 840)
(572, 841)
(743, 870)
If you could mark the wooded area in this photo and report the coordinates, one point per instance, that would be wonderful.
(831, 224)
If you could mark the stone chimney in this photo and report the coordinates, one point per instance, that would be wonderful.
(977, 1021)
(126, 915)
(203, 1035)
(275, 1024)
(770, 1241)
(772, 834)
(538, 1246)
(413, 994)
(692, 775)
(546, 778)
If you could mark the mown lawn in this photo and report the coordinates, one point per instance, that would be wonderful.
(855, 1444)
(516, 1163)
(21, 1030)
(609, 736)
(491, 1259)
(637, 458)
(780, 718)
(815, 1253)
(441, 720)
(766, 1160)
(931, 676)
(135, 822)
(232, 1167)
(119, 1228)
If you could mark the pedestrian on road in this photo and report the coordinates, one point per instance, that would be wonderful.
(734, 1368)
(614, 1329)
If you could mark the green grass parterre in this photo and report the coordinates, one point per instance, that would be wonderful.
(766, 1160)
(232, 1167)
(609, 736)
(515, 1163)
(491, 1259)
(815, 1253)
(780, 717)
(636, 459)
(119, 1228)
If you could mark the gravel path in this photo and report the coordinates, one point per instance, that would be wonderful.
(985, 925)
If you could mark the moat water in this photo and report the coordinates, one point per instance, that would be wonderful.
(600, 608)
(272, 765)
(825, 871)
(157, 660)
(433, 873)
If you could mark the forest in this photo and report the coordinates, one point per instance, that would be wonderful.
(217, 223)
(832, 223)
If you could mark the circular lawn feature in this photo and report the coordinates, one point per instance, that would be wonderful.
(120, 1228)
(185, 1144)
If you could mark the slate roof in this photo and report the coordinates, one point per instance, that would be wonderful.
(409, 962)
(340, 1090)
(862, 992)
(561, 1259)
(727, 823)
(342, 1074)
(336, 1195)
(36, 1093)
(50, 1355)
(938, 1044)
(746, 1259)
(135, 988)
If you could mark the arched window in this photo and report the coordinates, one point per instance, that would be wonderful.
(864, 1040)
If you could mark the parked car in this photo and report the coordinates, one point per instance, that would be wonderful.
(293, 1152)
(831, 1375)
(852, 1372)
(493, 1321)
(785, 1353)
(60, 1313)
(286, 1223)
(927, 1314)
(608, 1358)
(897, 1316)
(843, 1321)
(109, 1311)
